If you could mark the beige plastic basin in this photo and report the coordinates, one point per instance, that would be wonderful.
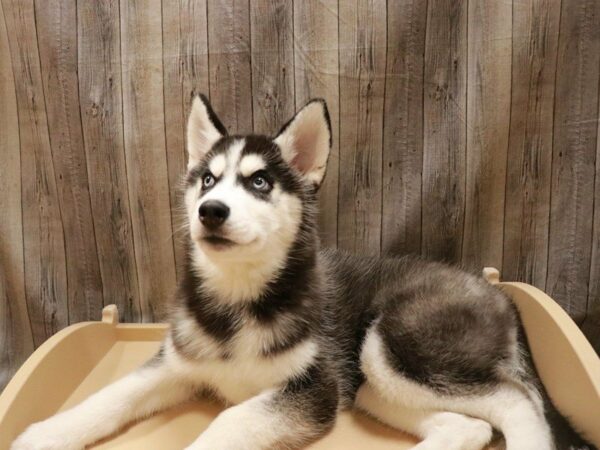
(82, 358)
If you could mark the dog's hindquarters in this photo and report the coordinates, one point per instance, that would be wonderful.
(455, 420)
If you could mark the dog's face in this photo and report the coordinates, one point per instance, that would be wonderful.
(244, 194)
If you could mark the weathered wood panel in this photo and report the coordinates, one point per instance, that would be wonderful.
(145, 152)
(488, 118)
(56, 22)
(593, 303)
(453, 137)
(173, 61)
(535, 43)
(403, 128)
(230, 76)
(574, 154)
(444, 129)
(99, 69)
(185, 73)
(271, 30)
(316, 75)
(43, 238)
(362, 41)
(16, 340)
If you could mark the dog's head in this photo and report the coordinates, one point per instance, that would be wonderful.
(246, 195)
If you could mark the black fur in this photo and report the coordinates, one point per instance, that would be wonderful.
(212, 116)
(217, 320)
(454, 344)
(314, 394)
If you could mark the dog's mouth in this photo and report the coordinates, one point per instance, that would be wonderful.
(218, 242)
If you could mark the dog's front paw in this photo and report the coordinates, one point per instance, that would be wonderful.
(40, 436)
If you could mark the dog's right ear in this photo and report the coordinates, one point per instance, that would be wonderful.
(204, 129)
(305, 141)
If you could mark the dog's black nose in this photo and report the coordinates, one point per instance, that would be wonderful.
(213, 213)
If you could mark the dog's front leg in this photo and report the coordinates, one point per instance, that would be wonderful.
(153, 387)
(290, 417)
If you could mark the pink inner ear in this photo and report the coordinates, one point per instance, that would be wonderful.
(304, 159)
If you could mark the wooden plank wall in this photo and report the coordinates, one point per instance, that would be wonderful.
(466, 131)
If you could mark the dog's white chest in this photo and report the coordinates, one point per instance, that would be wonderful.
(246, 373)
(237, 380)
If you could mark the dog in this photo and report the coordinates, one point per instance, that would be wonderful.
(288, 334)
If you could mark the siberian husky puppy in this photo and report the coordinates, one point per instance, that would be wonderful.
(288, 334)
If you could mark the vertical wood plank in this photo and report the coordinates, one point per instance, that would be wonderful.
(362, 28)
(316, 75)
(99, 66)
(57, 37)
(444, 128)
(403, 128)
(230, 76)
(145, 153)
(185, 72)
(271, 31)
(174, 119)
(43, 238)
(528, 177)
(488, 120)
(574, 155)
(593, 303)
(16, 340)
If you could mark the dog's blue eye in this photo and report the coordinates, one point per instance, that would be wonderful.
(259, 182)
(208, 180)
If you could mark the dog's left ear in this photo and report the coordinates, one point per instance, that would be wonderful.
(306, 139)
(204, 129)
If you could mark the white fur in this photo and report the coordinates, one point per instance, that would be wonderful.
(507, 408)
(137, 395)
(305, 142)
(243, 375)
(439, 430)
(198, 344)
(217, 165)
(263, 232)
(264, 428)
(250, 164)
(201, 133)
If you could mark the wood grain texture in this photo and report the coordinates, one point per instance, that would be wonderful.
(99, 69)
(528, 177)
(16, 339)
(593, 303)
(444, 129)
(362, 41)
(185, 73)
(272, 38)
(488, 118)
(230, 76)
(56, 22)
(574, 155)
(141, 50)
(43, 238)
(403, 128)
(463, 130)
(316, 75)
(172, 38)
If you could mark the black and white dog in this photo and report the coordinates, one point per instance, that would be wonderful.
(290, 334)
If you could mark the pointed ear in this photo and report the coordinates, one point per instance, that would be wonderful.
(306, 139)
(204, 129)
